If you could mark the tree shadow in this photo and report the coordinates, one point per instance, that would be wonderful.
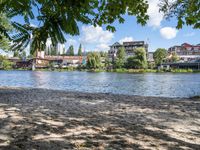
(46, 119)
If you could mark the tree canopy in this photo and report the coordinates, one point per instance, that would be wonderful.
(71, 50)
(80, 50)
(159, 55)
(120, 59)
(57, 17)
(93, 60)
(139, 60)
(185, 11)
(5, 28)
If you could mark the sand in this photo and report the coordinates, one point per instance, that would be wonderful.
(49, 119)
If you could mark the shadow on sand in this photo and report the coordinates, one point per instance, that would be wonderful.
(46, 119)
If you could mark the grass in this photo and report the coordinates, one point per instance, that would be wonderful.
(181, 71)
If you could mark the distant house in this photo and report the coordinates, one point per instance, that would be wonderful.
(129, 48)
(186, 52)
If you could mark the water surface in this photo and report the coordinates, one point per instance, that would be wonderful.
(148, 84)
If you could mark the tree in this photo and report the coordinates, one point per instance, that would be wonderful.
(160, 55)
(174, 57)
(63, 53)
(71, 50)
(186, 11)
(139, 61)
(57, 18)
(93, 60)
(120, 59)
(22, 56)
(103, 54)
(5, 64)
(5, 27)
(80, 50)
(16, 54)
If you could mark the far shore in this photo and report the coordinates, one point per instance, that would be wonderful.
(52, 119)
(123, 70)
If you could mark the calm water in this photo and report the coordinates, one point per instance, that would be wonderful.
(149, 84)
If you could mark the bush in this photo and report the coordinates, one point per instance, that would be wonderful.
(181, 70)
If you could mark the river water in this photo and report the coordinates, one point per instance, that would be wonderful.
(148, 84)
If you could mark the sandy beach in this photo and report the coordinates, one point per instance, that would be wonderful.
(49, 119)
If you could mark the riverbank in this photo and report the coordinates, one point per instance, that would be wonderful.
(114, 70)
(49, 119)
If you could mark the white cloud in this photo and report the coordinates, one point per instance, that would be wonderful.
(155, 17)
(189, 34)
(102, 47)
(168, 32)
(93, 34)
(96, 36)
(126, 39)
(71, 42)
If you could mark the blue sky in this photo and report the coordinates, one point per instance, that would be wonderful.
(158, 33)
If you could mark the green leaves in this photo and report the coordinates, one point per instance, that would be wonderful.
(138, 61)
(160, 55)
(93, 60)
(58, 17)
(120, 60)
(185, 11)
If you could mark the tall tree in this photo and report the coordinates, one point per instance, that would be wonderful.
(120, 59)
(160, 55)
(71, 50)
(185, 11)
(139, 61)
(63, 53)
(16, 54)
(80, 50)
(93, 60)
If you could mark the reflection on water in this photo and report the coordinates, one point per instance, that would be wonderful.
(149, 84)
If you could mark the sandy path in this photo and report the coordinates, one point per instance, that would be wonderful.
(47, 119)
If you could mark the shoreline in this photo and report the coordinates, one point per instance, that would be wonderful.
(129, 71)
(53, 119)
(96, 93)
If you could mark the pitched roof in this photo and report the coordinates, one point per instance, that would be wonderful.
(116, 44)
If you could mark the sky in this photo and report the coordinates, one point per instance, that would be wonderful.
(158, 33)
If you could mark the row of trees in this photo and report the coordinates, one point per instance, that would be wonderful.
(70, 52)
(58, 18)
(5, 63)
(138, 61)
(161, 56)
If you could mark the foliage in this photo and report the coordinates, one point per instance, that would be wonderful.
(57, 18)
(103, 54)
(138, 61)
(185, 11)
(182, 70)
(22, 55)
(174, 57)
(80, 50)
(159, 56)
(71, 50)
(5, 64)
(93, 60)
(53, 51)
(151, 65)
(120, 59)
(5, 28)
(16, 54)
